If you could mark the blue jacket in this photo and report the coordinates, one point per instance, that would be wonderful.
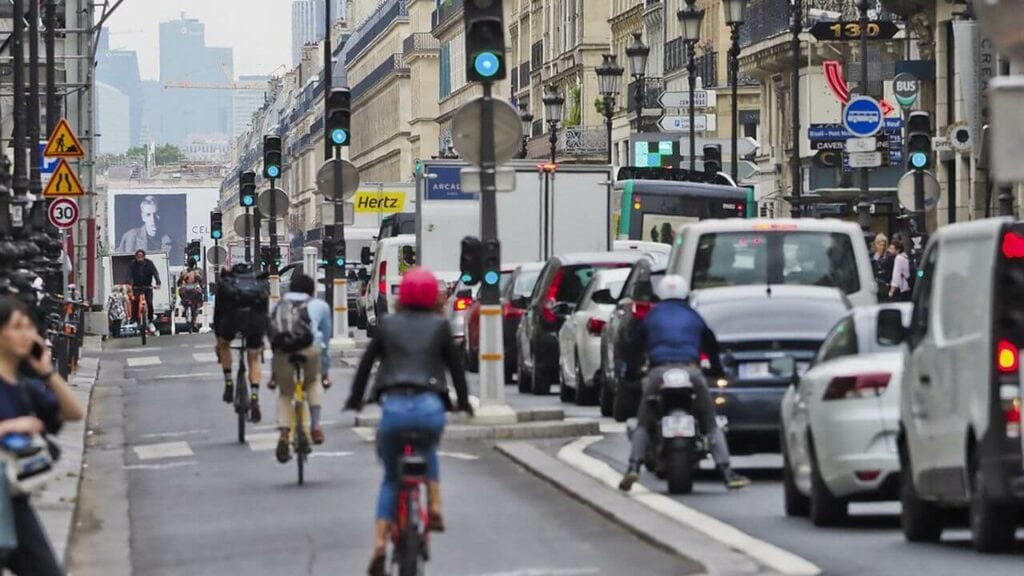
(674, 333)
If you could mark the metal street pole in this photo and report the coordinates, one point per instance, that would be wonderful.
(734, 63)
(640, 103)
(691, 78)
(248, 235)
(52, 103)
(609, 112)
(18, 142)
(919, 216)
(1006, 200)
(796, 27)
(256, 237)
(549, 182)
(864, 198)
(328, 81)
(339, 283)
(35, 184)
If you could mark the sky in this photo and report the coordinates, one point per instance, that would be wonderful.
(259, 31)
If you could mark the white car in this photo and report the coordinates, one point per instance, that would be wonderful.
(580, 336)
(841, 420)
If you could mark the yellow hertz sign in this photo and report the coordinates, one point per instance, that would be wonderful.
(375, 201)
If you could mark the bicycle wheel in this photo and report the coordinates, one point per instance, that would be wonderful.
(410, 545)
(241, 399)
(301, 444)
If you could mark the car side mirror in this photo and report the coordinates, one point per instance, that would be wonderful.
(603, 297)
(363, 274)
(521, 301)
(365, 256)
(890, 330)
(464, 293)
(783, 367)
(563, 309)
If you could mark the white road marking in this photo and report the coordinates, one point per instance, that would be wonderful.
(164, 450)
(187, 376)
(367, 434)
(205, 357)
(175, 434)
(316, 454)
(612, 427)
(143, 361)
(161, 466)
(458, 455)
(768, 554)
(262, 442)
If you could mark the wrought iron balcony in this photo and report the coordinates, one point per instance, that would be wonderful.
(445, 11)
(652, 90)
(675, 55)
(769, 18)
(420, 42)
(394, 64)
(707, 68)
(583, 141)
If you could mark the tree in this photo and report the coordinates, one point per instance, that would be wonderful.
(168, 154)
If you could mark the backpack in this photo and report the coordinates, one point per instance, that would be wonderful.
(291, 328)
(245, 290)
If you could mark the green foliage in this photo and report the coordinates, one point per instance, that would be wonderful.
(575, 107)
(168, 154)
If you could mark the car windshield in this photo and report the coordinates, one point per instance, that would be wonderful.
(574, 279)
(798, 258)
(505, 278)
(525, 282)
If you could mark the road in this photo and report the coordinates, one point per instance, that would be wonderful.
(199, 503)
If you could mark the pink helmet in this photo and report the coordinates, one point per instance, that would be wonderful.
(419, 289)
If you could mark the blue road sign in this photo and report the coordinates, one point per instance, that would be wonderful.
(836, 133)
(863, 116)
(46, 165)
(445, 183)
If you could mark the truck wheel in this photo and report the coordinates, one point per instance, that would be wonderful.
(921, 520)
(992, 525)
(678, 466)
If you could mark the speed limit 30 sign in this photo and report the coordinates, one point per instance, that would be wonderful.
(63, 213)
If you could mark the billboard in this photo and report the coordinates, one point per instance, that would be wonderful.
(158, 219)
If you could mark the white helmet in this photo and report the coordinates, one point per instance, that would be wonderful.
(672, 287)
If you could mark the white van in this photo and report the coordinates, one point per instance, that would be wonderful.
(960, 433)
(394, 256)
(749, 252)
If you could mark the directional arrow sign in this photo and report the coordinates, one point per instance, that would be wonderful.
(703, 122)
(744, 146)
(703, 99)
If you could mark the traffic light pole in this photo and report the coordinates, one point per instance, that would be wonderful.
(919, 215)
(335, 274)
(328, 80)
(248, 236)
(256, 237)
(275, 280)
(864, 199)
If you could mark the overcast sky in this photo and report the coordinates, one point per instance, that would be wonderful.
(259, 31)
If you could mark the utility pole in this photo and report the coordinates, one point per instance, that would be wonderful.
(18, 142)
(864, 198)
(35, 185)
(52, 103)
(796, 179)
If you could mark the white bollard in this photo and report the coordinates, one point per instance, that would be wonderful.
(493, 409)
(207, 325)
(275, 290)
(309, 262)
(341, 339)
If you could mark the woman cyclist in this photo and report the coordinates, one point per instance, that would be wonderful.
(414, 347)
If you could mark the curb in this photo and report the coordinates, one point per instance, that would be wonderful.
(370, 417)
(523, 431)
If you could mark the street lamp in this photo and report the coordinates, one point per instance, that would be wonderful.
(554, 104)
(796, 26)
(527, 119)
(609, 76)
(691, 18)
(735, 14)
(637, 52)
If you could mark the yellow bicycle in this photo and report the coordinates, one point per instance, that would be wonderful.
(299, 433)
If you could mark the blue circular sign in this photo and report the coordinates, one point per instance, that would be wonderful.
(863, 116)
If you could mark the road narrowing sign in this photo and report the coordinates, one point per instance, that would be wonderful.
(63, 143)
(63, 213)
(64, 182)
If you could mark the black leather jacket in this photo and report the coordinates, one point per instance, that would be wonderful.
(414, 348)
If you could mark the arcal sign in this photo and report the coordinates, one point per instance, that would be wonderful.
(387, 202)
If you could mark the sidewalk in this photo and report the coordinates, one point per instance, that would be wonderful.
(56, 503)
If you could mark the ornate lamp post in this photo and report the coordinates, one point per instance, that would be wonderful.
(554, 105)
(609, 76)
(735, 14)
(527, 119)
(691, 18)
(637, 52)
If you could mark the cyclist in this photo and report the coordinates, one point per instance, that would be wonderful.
(190, 289)
(673, 333)
(414, 347)
(300, 324)
(142, 274)
(241, 310)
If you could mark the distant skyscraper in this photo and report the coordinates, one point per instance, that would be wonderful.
(119, 70)
(114, 127)
(305, 16)
(246, 102)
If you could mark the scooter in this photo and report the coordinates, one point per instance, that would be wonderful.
(677, 444)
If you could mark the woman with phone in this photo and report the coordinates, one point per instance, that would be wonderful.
(34, 400)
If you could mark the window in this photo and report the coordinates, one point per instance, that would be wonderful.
(841, 341)
(817, 259)
(730, 259)
(962, 310)
(525, 281)
(923, 298)
(445, 70)
(576, 278)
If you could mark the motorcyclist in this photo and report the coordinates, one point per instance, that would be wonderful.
(190, 289)
(673, 335)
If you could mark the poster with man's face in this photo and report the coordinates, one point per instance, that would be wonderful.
(154, 223)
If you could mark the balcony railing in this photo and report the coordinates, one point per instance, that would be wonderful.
(375, 25)
(707, 68)
(583, 141)
(537, 55)
(769, 18)
(445, 12)
(524, 75)
(675, 55)
(652, 90)
(420, 42)
(394, 64)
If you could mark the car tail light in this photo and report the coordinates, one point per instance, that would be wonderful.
(510, 311)
(547, 310)
(1013, 245)
(594, 326)
(462, 304)
(867, 475)
(705, 361)
(640, 309)
(1009, 395)
(382, 285)
(1007, 357)
(859, 386)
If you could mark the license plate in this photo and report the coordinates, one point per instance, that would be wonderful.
(678, 426)
(754, 370)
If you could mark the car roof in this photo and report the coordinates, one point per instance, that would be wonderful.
(774, 224)
(600, 257)
(527, 266)
(611, 275)
(401, 239)
(987, 227)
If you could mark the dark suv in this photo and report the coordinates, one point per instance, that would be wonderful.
(561, 283)
(621, 366)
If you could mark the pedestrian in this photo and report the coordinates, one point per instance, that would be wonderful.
(116, 311)
(881, 263)
(34, 400)
(899, 284)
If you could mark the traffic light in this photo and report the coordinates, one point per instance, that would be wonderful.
(485, 40)
(333, 254)
(919, 141)
(339, 116)
(471, 260)
(272, 164)
(216, 225)
(193, 251)
(712, 159)
(492, 262)
(247, 189)
(265, 257)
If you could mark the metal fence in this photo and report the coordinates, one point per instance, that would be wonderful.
(583, 140)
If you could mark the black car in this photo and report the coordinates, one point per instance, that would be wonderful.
(561, 283)
(622, 365)
(516, 287)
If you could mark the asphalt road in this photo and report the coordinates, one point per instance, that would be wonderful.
(200, 503)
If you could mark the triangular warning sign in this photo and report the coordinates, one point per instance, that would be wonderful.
(63, 143)
(64, 182)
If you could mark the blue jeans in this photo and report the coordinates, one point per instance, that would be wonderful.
(423, 413)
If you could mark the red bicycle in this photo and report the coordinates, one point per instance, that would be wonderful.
(409, 535)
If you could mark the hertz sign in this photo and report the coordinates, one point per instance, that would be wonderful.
(387, 202)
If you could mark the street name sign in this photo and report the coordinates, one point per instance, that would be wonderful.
(702, 123)
(702, 99)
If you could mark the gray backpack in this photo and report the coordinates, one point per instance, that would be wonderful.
(291, 328)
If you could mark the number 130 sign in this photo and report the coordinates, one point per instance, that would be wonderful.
(63, 213)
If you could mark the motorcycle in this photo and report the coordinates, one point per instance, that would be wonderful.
(677, 444)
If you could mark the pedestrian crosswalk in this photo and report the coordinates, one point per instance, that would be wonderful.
(143, 361)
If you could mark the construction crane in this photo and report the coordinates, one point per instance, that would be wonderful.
(229, 84)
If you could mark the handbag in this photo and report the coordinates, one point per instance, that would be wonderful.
(8, 533)
(28, 463)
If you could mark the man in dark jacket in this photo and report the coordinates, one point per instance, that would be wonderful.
(142, 273)
(674, 335)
